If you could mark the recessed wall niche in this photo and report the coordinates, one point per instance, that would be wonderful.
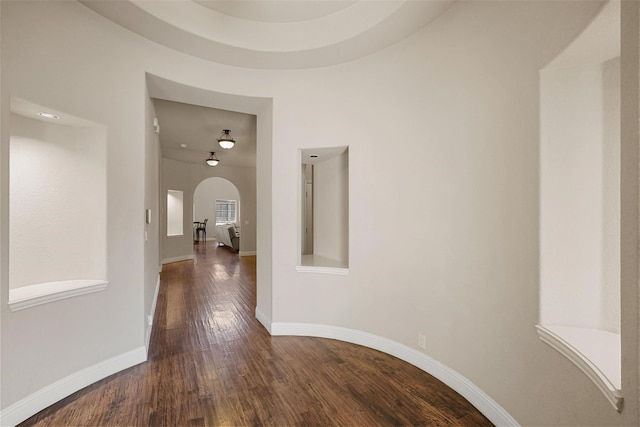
(324, 210)
(57, 205)
(175, 212)
(580, 176)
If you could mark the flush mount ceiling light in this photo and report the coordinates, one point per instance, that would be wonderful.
(213, 160)
(225, 140)
(49, 115)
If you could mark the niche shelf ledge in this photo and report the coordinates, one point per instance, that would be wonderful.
(319, 264)
(43, 293)
(596, 353)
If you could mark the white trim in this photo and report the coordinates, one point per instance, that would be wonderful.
(247, 253)
(323, 270)
(266, 322)
(178, 259)
(43, 293)
(62, 388)
(151, 316)
(484, 403)
(613, 395)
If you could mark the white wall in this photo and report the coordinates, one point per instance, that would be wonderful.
(152, 196)
(571, 195)
(47, 343)
(465, 274)
(331, 208)
(629, 200)
(462, 97)
(610, 305)
(204, 201)
(580, 196)
(264, 197)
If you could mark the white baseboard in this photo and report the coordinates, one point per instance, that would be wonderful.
(485, 404)
(62, 388)
(178, 259)
(247, 253)
(266, 322)
(151, 316)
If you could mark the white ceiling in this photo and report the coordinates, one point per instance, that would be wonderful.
(273, 34)
(313, 156)
(599, 42)
(32, 111)
(269, 34)
(276, 11)
(199, 128)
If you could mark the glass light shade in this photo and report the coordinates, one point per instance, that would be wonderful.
(225, 140)
(226, 143)
(213, 160)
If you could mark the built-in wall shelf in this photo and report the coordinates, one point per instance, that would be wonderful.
(324, 210)
(58, 207)
(43, 293)
(319, 264)
(595, 352)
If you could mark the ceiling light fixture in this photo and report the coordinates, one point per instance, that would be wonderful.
(49, 115)
(225, 140)
(213, 160)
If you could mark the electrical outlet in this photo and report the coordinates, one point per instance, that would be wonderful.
(422, 341)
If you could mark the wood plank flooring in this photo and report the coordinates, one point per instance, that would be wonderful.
(212, 363)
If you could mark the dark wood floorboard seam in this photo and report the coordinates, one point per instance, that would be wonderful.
(212, 363)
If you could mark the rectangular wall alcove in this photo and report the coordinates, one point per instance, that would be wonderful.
(175, 212)
(324, 210)
(58, 205)
(580, 205)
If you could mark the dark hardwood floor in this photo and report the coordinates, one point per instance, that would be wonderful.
(212, 363)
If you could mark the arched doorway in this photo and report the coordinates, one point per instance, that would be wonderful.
(217, 202)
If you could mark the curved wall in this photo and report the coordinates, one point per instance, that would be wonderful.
(459, 264)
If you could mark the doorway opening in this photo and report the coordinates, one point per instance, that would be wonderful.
(216, 204)
(257, 180)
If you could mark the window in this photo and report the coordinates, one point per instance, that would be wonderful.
(226, 211)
